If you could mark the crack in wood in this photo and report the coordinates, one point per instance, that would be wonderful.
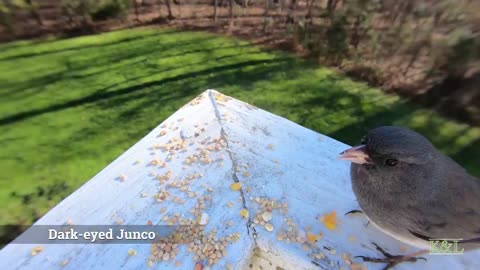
(224, 136)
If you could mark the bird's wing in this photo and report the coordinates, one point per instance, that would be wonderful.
(451, 215)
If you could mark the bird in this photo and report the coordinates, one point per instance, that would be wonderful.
(411, 191)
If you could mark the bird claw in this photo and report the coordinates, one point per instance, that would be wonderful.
(355, 211)
(385, 253)
(391, 260)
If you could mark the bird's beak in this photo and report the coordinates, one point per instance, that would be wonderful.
(357, 154)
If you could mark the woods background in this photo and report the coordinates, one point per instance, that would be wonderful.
(426, 50)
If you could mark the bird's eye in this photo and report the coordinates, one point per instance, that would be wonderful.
(364, 140)
(391, 162)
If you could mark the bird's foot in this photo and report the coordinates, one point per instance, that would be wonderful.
(355, 211)
(391, 260)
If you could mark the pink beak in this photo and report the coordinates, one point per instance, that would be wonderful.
(357, 154)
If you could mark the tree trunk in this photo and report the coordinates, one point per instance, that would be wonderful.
(267, 7)
(34, 12)
(135, 6)
(230, 11)
(291, 12)
(86, 19)
(215, 4)
(169, 7)
(355, 36)
(7, 17)
(310, 9)
(331, 6)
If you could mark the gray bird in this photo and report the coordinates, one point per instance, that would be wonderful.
(412, 192)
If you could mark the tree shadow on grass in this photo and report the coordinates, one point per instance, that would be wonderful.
(139, 38)
(101, 95)
(140, 57)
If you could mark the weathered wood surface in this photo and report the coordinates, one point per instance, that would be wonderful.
(272, 157)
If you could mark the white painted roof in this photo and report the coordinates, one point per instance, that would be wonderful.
(272, 157)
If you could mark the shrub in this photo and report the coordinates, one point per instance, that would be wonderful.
(110, 9)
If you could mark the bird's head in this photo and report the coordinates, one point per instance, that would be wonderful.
(391, 147)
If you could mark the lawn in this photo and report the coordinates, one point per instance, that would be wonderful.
(69, 107)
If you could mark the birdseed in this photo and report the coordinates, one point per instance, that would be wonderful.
(64, 262)
(236, 186)
(267, 216)
(37, 250)
(244, 213)
(330, 220)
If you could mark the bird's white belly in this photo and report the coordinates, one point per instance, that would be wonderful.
(413, 241)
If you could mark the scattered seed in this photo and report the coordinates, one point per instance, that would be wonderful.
(246, 174)
(271, 146)
(229, 266)
(312, 237)
(347, 258)
(37, 250)
(144, 195)
(132, 252)
(203, 220)
(163, 132)
(122, 177)
(236, 186)
(244, 213)
(150, 263)
(267, 216)
(280, 237)
(358, 266)
(330, 220)
(64, 262)
(178, 263)
(269, 227)
(319, 256)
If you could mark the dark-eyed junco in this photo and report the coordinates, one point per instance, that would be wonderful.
(412, 192)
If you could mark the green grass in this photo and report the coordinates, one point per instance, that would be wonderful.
(69, 107)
